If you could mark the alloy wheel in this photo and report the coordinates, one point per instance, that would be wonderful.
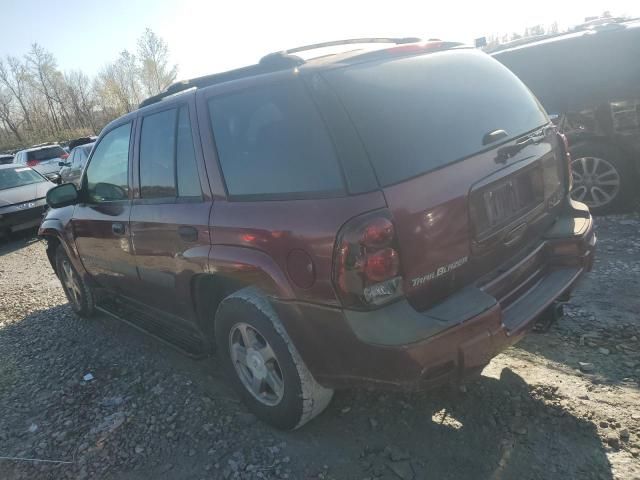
(256, 364)
(596, 181)
(71, 283)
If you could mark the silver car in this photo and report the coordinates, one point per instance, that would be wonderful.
(45, 159)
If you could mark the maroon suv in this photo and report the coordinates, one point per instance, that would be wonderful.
(392, 217)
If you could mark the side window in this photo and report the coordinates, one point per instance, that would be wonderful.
(157, 147)
(167, 158)
(71, 160)
(106, 177)
(272, 141)
(77, 155)
(186, 167)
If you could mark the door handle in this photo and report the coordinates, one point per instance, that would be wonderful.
(188, 233)
(118, 228)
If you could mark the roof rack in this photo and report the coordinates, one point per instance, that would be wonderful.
(269, 63)
(350, 41)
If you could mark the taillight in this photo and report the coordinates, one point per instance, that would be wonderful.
(367, 263)
(32, 163)
(567, 159)
(64, 156)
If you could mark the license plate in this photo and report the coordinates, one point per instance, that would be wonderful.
(509, 199)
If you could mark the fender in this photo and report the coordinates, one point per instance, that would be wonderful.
(57, 225)
(250, 266)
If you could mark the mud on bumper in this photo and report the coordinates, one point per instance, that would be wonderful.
(397, 346)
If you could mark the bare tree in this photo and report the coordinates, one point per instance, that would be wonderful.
(39, 102)
(120, 85)
(155, 72)
(6, 115)
(15, 77)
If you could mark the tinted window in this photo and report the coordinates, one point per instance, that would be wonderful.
(415, 114)
(71, 159)
(107, 173)
(17, 177)
(45, 153)
(187, 171)
(270, 140)
(157, 148)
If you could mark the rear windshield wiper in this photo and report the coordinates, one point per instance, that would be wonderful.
(505, 153)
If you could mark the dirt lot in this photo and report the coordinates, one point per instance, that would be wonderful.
(149, 412)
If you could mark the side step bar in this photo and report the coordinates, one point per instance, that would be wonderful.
(178, 336)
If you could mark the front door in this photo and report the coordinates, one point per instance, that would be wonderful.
(101, 221)
(170, 213)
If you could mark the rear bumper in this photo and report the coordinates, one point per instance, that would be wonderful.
(397, 346)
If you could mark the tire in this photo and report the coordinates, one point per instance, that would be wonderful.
(299, 397)
(593, 159)
(80, 295)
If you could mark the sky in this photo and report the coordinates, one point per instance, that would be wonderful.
(212, 36)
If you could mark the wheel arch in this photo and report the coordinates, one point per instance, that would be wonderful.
(231, 269)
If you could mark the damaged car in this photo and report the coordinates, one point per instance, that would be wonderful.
(390, 217)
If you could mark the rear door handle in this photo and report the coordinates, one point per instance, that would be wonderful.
(118, 228)
(188, 233)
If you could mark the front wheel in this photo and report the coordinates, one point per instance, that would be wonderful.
(263, 364)
(79, 294)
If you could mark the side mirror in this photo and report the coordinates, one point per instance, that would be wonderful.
(57, 179)
(64, 164)
(62, 196)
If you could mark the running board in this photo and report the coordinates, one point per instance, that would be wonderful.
(172, 333)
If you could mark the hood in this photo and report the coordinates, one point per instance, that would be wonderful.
(25, 193)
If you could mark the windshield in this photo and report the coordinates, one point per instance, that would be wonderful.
(18, 177)
(420, 113)
(45, 153)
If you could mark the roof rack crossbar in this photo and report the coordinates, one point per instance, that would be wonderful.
(350, 41)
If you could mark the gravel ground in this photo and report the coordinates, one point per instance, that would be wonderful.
(101, 400)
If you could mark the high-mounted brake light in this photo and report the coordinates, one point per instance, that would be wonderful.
(367, 263)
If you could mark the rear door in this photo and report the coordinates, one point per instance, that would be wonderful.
(465, 157)
(101, 221)
(170, 214)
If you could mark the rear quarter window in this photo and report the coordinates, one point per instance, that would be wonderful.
(416, 114)
(271, 141)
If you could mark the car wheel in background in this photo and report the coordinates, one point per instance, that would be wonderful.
(263, 364)
(602, 177)
(79, 294)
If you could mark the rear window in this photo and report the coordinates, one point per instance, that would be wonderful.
(45, 153)
(420, 113)
(271, 141)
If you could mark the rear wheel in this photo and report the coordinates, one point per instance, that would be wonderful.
(602, 178)
(263, 364)
(79, 294)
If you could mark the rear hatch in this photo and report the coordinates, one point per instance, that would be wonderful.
(469, 164)
(46, 160)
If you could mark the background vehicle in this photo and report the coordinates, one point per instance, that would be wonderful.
(591, 81)
(391, 218)
(22, 198)
(5, 158)
(71, 170)
(45, 159)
